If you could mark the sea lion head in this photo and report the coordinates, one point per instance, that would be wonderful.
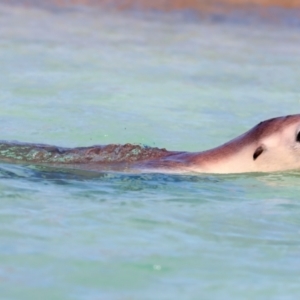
(276, 144)
(272, 145)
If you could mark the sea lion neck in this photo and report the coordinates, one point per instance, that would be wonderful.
(219, 159)
(204, 161)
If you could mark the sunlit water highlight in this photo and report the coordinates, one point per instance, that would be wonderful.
(82, 77)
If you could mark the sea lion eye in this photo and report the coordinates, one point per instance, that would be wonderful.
(298, 137)
(258, 152)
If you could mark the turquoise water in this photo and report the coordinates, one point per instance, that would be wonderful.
(82, 77)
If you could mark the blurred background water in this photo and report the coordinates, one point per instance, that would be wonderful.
(81, 76)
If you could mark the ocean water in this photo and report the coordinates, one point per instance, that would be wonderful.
(78, 77)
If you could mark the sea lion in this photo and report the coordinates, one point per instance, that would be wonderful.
(272, 145)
